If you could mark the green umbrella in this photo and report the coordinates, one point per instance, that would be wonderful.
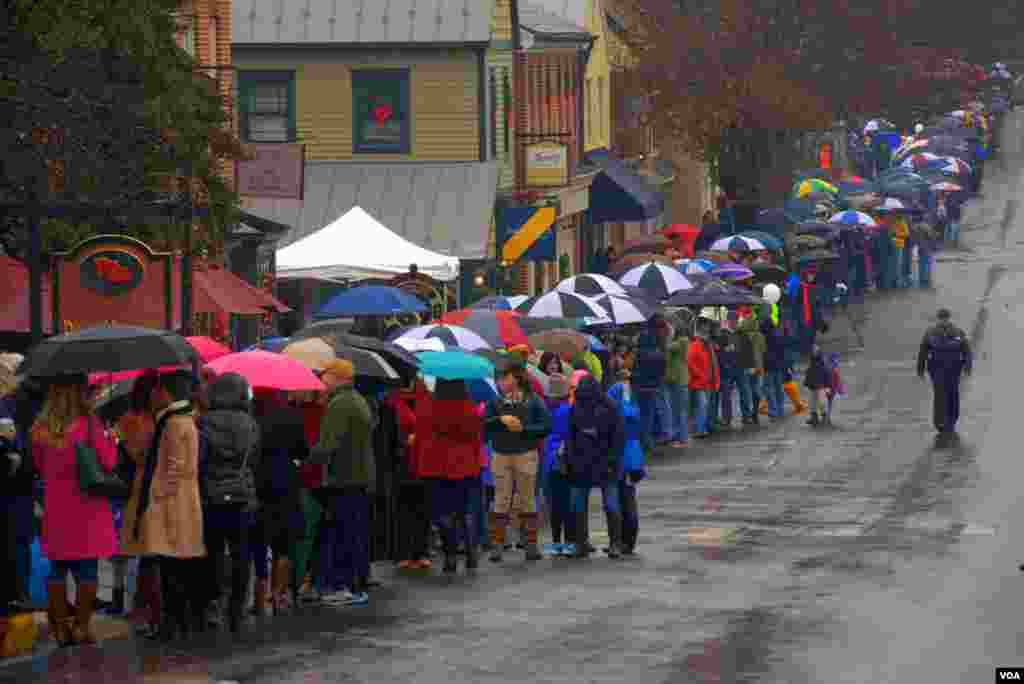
(455, 365)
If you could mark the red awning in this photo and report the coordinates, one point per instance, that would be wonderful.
(15, 314)
(218, 291)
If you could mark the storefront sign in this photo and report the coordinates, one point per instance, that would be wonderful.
(277, 170)
(526, 233)
(111, 280)
(547, 164)
(111, 272)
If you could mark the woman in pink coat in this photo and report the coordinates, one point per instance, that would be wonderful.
(78, 529)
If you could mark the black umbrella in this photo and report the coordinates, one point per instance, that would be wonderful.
(370, 364)
(323, 329)
(108, 349)
(402, 360)
(714, 293)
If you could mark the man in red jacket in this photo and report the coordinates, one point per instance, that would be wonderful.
(705, 376)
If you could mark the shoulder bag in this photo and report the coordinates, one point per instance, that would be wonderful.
(93, 478)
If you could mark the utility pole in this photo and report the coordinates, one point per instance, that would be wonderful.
(186, 256)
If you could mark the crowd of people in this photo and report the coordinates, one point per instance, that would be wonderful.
(245, 501)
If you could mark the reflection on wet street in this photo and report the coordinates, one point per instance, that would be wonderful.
(777, 554)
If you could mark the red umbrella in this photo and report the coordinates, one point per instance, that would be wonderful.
(500, 328)
(208, 348)
(684, 236)
(268, 371)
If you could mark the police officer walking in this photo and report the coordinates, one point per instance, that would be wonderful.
(946, 354)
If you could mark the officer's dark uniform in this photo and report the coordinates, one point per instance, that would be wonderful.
(946, 354)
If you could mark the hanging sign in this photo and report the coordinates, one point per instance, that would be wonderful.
(111, 272)
(547, 164)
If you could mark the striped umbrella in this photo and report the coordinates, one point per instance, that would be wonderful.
(625, 310)
(590, 285)
(852, 218)
(732, 271)
(695, 266)
(499, 328)
(451, 335)
(738, 243)
(560, 305)
(659, 280)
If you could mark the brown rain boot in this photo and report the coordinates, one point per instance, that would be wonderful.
(532, 523)
(58, 615)
(260, 592)
(83, 613)
(280, 589)
(793, 392)
(496, 524)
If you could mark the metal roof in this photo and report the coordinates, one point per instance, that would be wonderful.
(360, 22)
(540, 20)
(446, 208)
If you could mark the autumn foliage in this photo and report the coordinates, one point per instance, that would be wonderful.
(716, 66)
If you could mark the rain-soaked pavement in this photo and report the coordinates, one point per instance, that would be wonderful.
(858, 553)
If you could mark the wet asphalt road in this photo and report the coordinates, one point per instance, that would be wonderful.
(858, 553)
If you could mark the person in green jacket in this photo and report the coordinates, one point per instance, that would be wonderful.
(755, 345)
(677, 388)
(346, 447)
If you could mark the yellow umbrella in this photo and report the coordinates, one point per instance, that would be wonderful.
(314, 352)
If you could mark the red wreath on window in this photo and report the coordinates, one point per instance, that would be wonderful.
(382, 113)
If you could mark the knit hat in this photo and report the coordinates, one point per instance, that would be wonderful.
(558, 387)
(341, 369)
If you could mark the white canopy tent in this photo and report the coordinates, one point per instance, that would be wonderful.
(357, 246)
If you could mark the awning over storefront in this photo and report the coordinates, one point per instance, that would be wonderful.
(214, 291)
(444, 208)
(620, 194)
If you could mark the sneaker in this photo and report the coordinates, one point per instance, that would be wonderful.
(568, 550)
(346, 598)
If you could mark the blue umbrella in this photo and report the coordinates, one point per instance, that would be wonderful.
(596, 345)
(455, 365)
(270, 344)
(371, 300)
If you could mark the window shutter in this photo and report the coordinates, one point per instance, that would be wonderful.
(245, 106)
(293, 133)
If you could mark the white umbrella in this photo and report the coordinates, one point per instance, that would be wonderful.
(733, 242)
(590, 285)
(659, 280)
(625, 310)
(451, 335)
(428, 344)
(560, 305)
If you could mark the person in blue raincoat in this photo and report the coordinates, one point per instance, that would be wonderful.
(633, 468)
(554, 485)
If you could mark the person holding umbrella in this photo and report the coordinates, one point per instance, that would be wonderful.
(168, 515)
(78, 528)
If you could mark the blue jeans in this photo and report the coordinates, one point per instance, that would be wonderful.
(679, 408)
(924, 269)
(647, 405)
(774, 393)
(345, 555)
(664, 421)
(701, 400)
(714, 408)
(580, 496)
(82, 570)
(952, 232)
(896, 268)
